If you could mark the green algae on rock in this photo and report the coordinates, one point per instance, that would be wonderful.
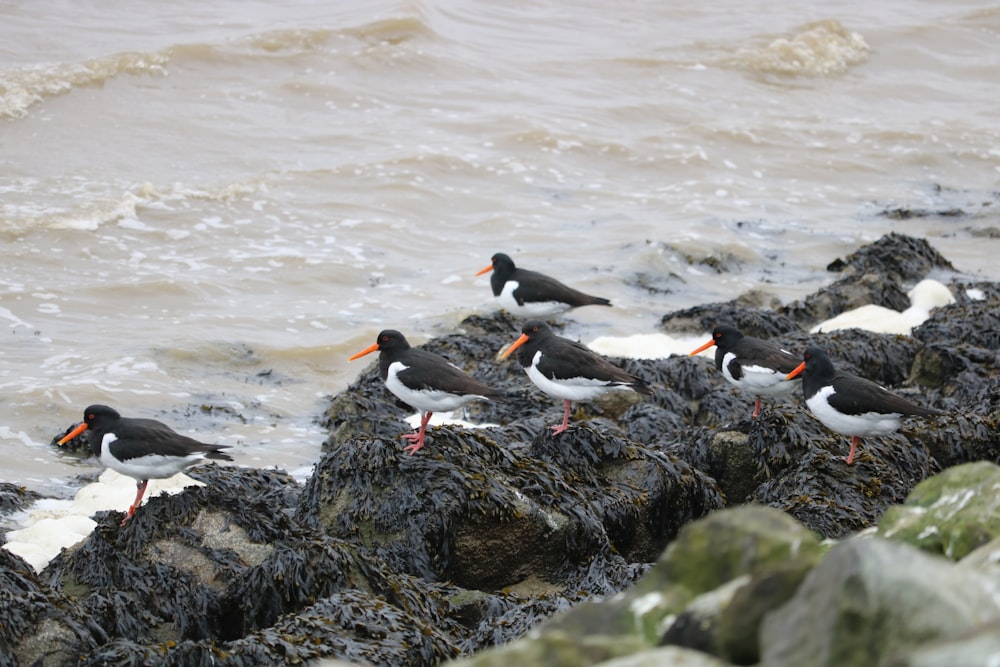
(951, 513)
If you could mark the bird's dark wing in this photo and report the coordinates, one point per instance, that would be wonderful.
(538, 287)
(564, 359)
(855, 395)
(757, 352)
(427, 370)
(144, 437)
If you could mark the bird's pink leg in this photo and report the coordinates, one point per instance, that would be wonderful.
(556, 430)
(756, 409)
(140, 489)
(417, 438)
(854, 446)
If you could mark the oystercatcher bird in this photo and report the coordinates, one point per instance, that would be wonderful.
(566, 369)
(756, 366)
(531, 294)
(143, 449)
(849, 404)
(424, 380)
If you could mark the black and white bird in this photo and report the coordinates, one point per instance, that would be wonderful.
(426, 381)
(756, 366)
(142, 449)
(849, 404)
(566, 369)
(526, 293)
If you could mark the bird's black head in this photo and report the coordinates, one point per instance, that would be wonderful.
(95, 413)
(503, 267)
(725, 336)
(95, 417)
(818, 364)
(532, 333)
(390, 341)
(502, 261)
(536, 329)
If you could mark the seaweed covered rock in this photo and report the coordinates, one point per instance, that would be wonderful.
(39, 625)
(787, 459)
(366, 408)
(877, 273)
(897, 257)
(960, 343)
(487, 511)
(12, 499)
(835, 499)
(170, 573)
(224, 573)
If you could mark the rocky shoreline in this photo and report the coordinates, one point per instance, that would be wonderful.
(668, 529)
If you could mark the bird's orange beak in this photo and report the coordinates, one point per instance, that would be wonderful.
(513, 346)
(702, 348)
(367, 350)
(72, 434)
(798, 369)
(486, 270)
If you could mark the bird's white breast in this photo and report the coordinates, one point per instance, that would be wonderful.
(758, 380)
(150, 466)
(425, 400)
(573, 389)
(530, 308)
(869, 423)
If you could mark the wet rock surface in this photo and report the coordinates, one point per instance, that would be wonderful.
(13, 498)
(619, 523)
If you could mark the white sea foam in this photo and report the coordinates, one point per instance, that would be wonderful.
(52, 525)
(924, 297)
(446, 418)
(646, 346)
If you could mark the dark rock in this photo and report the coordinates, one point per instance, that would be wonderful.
(898, 257)
(13, 498)
(485, 515)
(39, 625)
